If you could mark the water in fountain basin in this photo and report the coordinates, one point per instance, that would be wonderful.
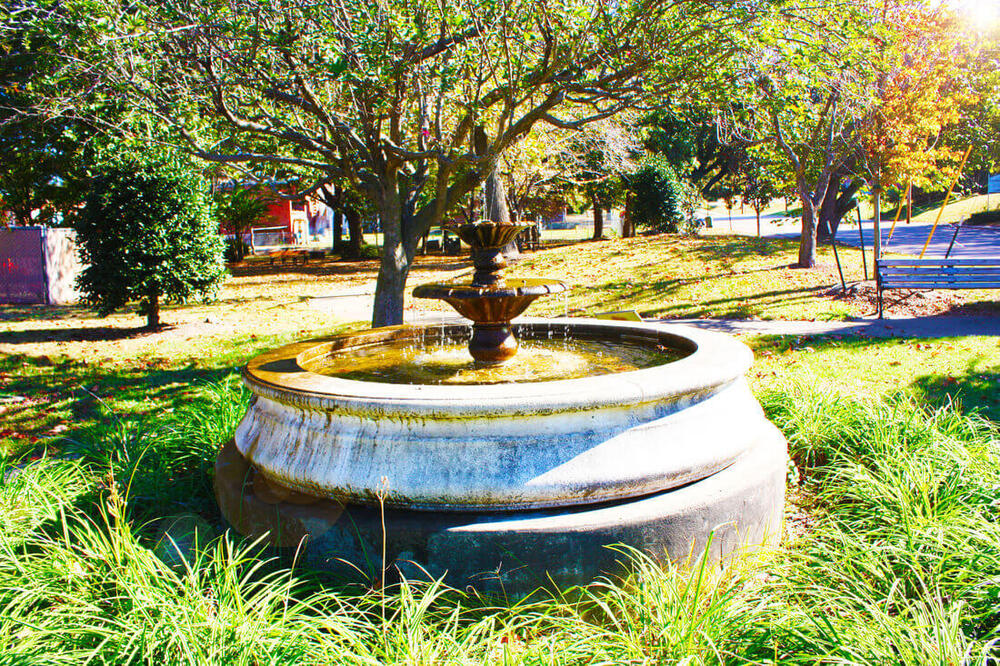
(448, 362)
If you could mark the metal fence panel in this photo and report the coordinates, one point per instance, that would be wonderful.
(22, 266)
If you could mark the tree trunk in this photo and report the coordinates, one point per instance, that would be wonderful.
(807, 242)
(153, 311)
(495, 196)
(598, 218)
(355, 233)
(238, 248)
(337, 232)
(628, 227)
(826, 225)
(836, 205)
(397, 258)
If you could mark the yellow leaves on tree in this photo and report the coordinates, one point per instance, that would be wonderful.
(924, 87)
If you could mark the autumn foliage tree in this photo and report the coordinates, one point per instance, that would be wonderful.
(925, 86)
(852, 90)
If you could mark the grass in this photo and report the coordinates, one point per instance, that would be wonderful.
(961, 371)
(898, 562)
(709, 276)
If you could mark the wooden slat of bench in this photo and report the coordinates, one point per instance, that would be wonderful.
(943, 274)
(889, 283)
(938, 269)
(986, 261)
(941, 278)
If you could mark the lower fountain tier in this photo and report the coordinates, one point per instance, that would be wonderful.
(502, 447)
(514, 553)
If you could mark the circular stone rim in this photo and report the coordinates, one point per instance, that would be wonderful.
(715, 359)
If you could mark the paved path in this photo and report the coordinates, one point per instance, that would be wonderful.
(913, 327)
(357, 306)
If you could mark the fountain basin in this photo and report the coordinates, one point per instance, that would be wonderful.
(501, 447)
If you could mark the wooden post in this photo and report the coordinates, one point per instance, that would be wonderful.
(876, 225)
(909, 202)
(861, 239)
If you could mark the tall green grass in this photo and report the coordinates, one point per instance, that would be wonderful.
(899, 563)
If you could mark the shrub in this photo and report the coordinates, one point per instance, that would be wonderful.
(147, 233)
(236, 250)
(659, 200)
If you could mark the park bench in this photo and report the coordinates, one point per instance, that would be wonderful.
(286, 255)
(978, 273)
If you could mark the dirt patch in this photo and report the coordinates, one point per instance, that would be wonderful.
(905, 303)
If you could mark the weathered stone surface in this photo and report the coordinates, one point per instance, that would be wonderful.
(503, 447)
(513, 553)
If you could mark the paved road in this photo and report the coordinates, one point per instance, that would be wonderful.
(906, 239)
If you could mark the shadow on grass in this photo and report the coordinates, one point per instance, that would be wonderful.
(36, 312)
(972, 390)
(79, 334)
(329, 266)
(727, 249)
(155, 429)
(52, 402)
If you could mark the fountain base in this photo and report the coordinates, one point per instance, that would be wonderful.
(513, 553)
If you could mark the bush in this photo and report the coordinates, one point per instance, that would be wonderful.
(148, 233)
(659, 200)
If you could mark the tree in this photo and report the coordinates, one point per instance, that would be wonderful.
(807, 90)
(239, 212)
(839, 88)
(148, 233)
(690, 141)
(932, 79)
(760, 180)
(384, 97)
(42, 172)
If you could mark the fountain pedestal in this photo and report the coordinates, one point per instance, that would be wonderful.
(491, 301)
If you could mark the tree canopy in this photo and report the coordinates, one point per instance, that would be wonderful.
(383, 97)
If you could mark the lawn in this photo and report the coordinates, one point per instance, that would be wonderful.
(892, 551)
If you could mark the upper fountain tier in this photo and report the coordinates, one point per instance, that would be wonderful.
(491, 300)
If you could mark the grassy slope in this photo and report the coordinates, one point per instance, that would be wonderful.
(673, 276)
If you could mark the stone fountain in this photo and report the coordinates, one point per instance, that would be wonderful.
(505, 471)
